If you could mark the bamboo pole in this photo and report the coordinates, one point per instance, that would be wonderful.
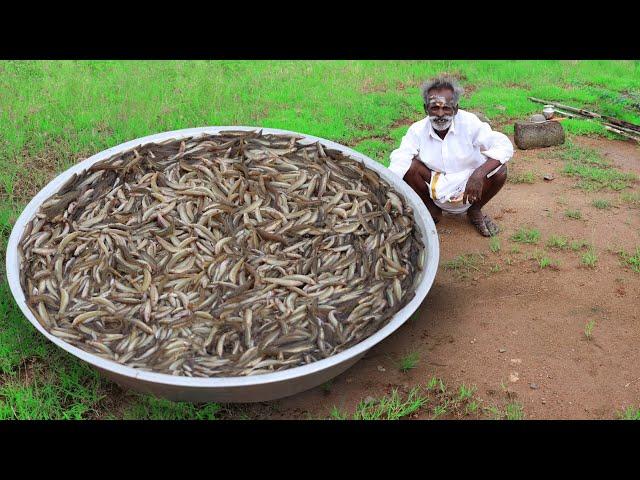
(612, 121)
(624, 134)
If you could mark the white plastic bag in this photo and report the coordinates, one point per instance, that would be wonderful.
(448, 187)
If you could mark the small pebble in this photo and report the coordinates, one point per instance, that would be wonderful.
(516, 361)
(502, 350)
(548, 177)
(534, 386)
(513, 377)
(381, 368)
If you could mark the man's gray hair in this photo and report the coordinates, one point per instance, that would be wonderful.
(442, 82)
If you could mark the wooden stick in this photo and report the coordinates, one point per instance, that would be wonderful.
(567, 114)
(624, 134)
(628, 130)
(587, 113)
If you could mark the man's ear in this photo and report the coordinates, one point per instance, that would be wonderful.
(455, 109)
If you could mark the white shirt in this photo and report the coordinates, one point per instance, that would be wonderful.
(467, 145)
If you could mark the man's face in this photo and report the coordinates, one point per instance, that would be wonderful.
(440, 108)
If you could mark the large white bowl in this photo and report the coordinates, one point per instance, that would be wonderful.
(232, 389)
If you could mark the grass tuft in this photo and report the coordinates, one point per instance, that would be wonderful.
(601, 204)
(522, 177)
(588, 329)
(632, 198)
(409, 362)
(465, 393)
(630, 413)
(465, 264)
(525, 235)
(633, 260)
(576, 245)
(575, 214)
(558, 242)
(494, 244)
(391, 407)
(589, 259)
(513, 411)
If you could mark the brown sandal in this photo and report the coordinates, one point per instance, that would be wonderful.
(481, 226)
(492, 226)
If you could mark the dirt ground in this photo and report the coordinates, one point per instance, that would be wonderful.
(518, 334)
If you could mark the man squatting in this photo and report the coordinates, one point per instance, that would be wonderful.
(451, 159)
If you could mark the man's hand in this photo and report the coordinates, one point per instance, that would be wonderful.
(475, 184)
(473, 190)
(417, 177)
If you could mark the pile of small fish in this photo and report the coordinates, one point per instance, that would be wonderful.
(233, 254)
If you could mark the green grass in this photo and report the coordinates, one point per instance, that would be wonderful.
(19, 340)
(376, 149)
(558, 242)
(409, 362)
(494, 244)
(576, 245)
(589, 259)
(436, 384)
(391, 407)
(152, 408)
(575, 214)
(522, 177)
(64, 389)
(494, 411)
(465, 264)
(544, 262)
(588, 329)
(526, 235)
(630, 413)
(633, 260)
(465, 393)
(495, 269)
(337, 414)
(513, 411)
(472, 408)
(592, 171)
(439, 410)
(632, 198)
(601, 204)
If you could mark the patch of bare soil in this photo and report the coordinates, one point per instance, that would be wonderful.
(402, 122)
(518, 333)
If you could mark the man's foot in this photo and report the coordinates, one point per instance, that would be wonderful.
(483, 223)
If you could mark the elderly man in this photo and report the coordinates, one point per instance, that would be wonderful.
(452, 160)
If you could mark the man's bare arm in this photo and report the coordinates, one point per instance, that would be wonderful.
(473, 190)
